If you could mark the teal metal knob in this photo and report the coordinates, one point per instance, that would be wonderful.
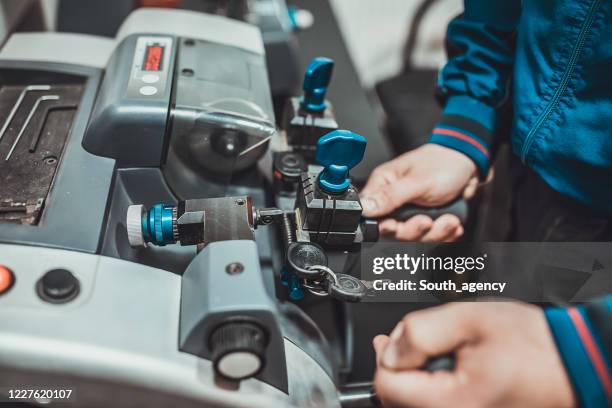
(338, 152)
(316, 80)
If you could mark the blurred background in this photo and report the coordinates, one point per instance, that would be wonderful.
(375, 31)
(394, 48)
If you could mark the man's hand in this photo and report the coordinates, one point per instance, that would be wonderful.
(431, 175)
(505, 357)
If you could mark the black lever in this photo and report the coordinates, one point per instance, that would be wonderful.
(440, 363)
(457, 207)
(368, 398)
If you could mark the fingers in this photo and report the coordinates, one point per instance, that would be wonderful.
(387, 174)
(414, 229)
(380, 178)
(429, 333)
(447, 227)
(471, 188)
(416, 388)
(383, 201)
(380, 343)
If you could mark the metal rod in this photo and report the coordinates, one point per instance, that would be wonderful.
(22, 95)
(27, 121)
(359, 395)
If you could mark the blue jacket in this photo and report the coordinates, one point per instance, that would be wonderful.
(583, 335)
(540, 71)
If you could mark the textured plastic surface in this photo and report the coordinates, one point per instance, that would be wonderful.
(338, 152)
(316, 80)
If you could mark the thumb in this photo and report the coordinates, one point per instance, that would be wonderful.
(429, 333)
(379, 342)
(382, 201)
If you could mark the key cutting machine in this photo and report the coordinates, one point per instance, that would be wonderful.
(160, 239)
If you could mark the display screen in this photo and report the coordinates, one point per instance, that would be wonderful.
(153, 58)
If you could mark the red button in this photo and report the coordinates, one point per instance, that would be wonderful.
(6, 279)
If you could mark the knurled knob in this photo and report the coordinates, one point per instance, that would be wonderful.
(238, 349)
(134, 225)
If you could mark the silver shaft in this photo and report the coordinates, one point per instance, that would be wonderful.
(27, 121)
(22, 95)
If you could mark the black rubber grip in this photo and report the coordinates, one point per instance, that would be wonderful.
(458, 207)
(445, 362)
(440, 363)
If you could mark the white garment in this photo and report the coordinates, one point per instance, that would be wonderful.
(375, 33)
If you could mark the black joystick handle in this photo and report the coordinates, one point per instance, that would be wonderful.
(445, 362)
(458, 207)
(439, 363)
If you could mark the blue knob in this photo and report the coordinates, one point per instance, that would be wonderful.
(338, 152)
(316, 80)
(158, 225)
(290, 279)
(295, 288)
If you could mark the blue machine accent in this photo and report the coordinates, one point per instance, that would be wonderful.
(295, 288)
(290, 279)
(338, 152)
(291, 14)
(316, 80)
(157, 225)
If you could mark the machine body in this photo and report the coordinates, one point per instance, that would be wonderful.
(182, 116)
(160, 238)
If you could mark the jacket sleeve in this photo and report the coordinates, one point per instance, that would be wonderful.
(583, 335)
(475, 82)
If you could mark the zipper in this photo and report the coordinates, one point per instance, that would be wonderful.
(586, 27)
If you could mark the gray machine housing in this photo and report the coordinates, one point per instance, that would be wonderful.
(125, 125)
(203, 308)
(137, 321)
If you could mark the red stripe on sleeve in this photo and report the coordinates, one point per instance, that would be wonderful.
(461, 136)
(592, 350)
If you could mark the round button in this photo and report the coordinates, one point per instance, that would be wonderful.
(58, 286)
(148, 90)
(150, 78)
(238, 349)
(6, 279)
(239, 364)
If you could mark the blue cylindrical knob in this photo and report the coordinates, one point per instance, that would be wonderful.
(316, 80)
(156, 225)
(338, 152)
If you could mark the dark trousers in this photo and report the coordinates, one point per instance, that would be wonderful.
(539, 213)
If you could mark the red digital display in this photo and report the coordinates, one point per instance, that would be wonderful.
(153, 58)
